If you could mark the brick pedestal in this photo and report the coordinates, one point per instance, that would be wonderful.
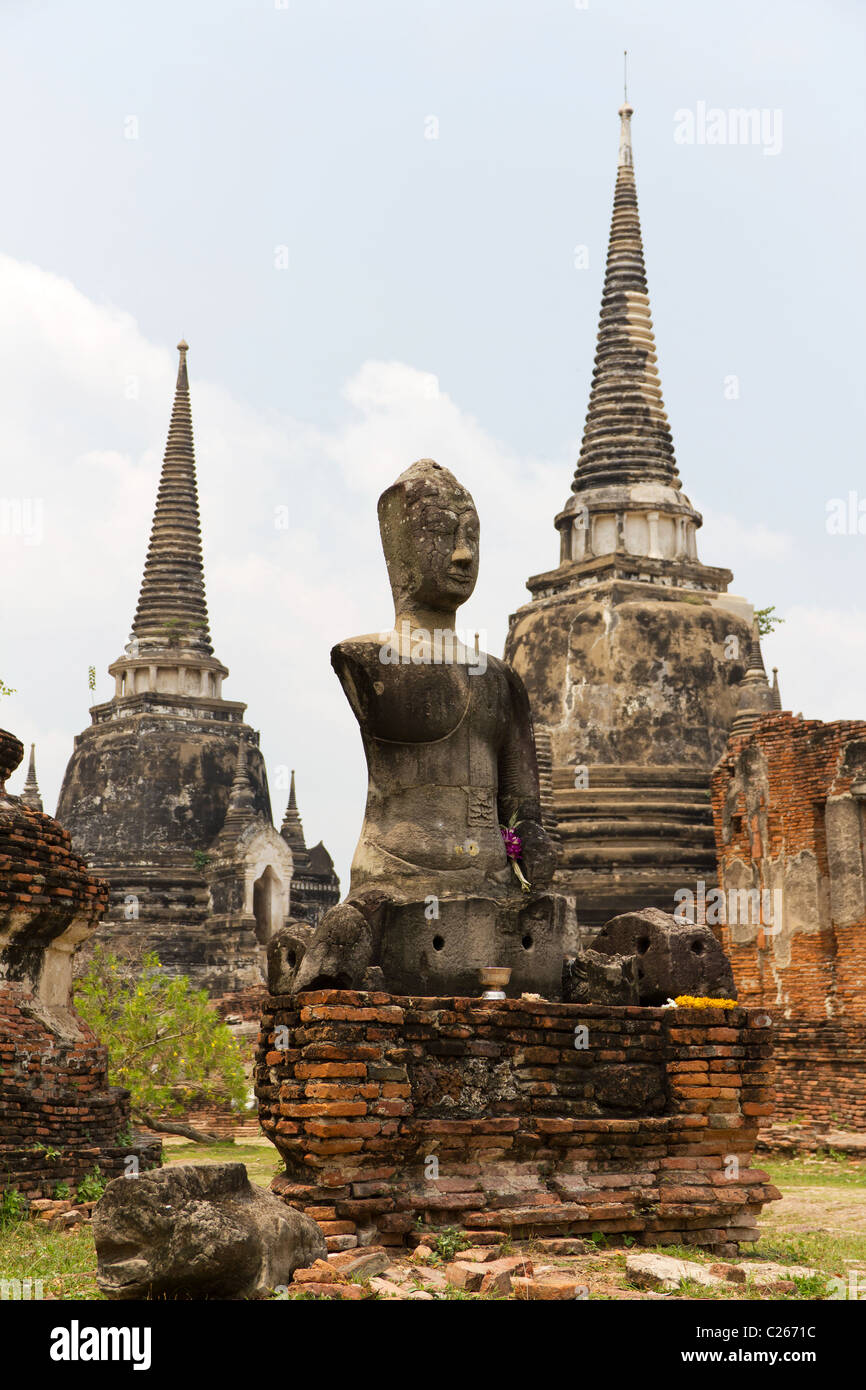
(523, 1117)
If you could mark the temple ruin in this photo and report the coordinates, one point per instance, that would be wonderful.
(166, 793)
(631, 650)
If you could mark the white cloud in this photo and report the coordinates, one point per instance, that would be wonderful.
(821, 656)
(732, 541)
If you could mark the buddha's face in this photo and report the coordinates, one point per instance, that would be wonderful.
(430, 535)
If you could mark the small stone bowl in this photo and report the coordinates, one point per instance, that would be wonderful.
(493, 979)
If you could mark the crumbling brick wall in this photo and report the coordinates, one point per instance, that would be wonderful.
(59, 1118)
(788, 808)
(389, 1111)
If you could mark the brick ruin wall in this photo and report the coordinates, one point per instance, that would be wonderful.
(788, 814)
(393, 1113)
(59, 1119)
(820, 1073)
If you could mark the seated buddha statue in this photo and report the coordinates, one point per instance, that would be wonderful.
(452, 867)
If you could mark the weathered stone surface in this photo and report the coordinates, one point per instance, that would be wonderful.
(385, 1288)
(466, 1274)
(767, 1273)
(672, 957)
(350, 1293)
(545, 1288)
(319, 1272)
(451, 760)
(198, 1231)
(593, 977)
(651, 1271)
(565, 1245)
(361, 1264)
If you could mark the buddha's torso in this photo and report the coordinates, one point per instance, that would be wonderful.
(432, 735)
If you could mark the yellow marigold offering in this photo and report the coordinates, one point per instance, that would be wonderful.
(689, 1001)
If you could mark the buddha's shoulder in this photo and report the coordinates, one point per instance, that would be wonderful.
(372, 654)
(365, 648)
(359, 654)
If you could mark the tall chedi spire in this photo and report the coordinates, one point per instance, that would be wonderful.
(172, 604)
(626, 489)
(171, 620)
(631, 649)
(626, 438)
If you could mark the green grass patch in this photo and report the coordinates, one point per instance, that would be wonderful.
(262, 1161)
(815, 1170)
(821, 1250)
(65, 1261)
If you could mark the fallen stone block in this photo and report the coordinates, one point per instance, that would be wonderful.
(651, 1271)
(591, 977)
(361, 1263)
(764, 1273)
(198, 1230)
(319, 1272)
(463, 1275)
(673, 957)
(479, 1254)
(565, 1245)
(500, 1273)
(350, 1292)
(386, 1289)
(341, 1242)
(545, 1288)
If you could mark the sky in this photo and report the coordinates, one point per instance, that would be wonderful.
(382, 227)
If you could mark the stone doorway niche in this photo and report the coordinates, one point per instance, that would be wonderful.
(267, 905)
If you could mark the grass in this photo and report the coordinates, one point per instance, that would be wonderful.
(262, 1160)
(815, 1170)
(65, 1261)
(821, 1250)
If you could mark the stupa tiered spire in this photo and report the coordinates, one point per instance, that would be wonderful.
(242, 802)
(172, 610)
(626, 436)
(30, 794)
(292, 829)
(756, 695)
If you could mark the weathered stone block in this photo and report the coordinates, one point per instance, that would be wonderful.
(198, 1231)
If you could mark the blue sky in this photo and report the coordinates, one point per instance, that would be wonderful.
(430, 305)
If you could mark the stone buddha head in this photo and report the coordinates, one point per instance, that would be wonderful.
(430, 530)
